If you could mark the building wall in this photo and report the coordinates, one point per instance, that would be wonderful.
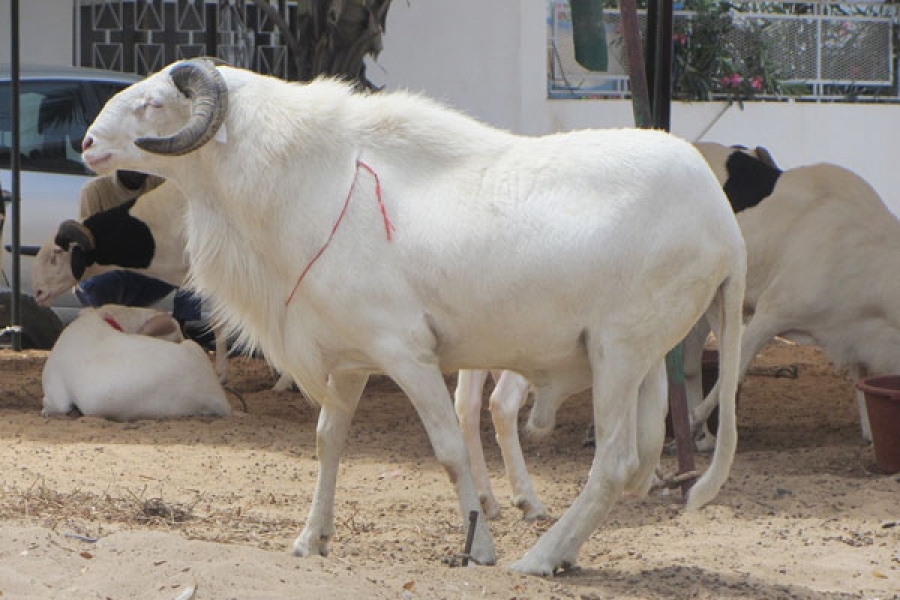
(45, 33)
(489, 59)
(509, 89)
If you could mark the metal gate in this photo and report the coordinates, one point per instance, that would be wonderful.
(142, 36)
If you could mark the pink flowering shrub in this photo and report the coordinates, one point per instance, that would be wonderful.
(707, 65)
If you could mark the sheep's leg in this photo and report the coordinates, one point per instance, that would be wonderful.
(864, 425)
(284, 383)
(424, 384)
(221, 354)
(616, 462)
(653, 399)
(858, 372)
(344, 391)
(467, 401)
(507, 398)
(761, 328)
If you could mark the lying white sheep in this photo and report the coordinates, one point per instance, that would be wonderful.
(127, 363)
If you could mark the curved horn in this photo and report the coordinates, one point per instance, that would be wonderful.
(74, 232)
(201, 82)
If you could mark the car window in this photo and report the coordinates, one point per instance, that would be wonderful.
(54, 116)
(104, 90)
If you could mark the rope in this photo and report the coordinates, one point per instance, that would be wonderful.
(388, 226)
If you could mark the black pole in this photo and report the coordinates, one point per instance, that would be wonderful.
(662, 72)
(640, 94)
(659, 82)
(16, 165)
(650, 43)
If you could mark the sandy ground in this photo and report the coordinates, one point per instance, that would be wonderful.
(95, 509)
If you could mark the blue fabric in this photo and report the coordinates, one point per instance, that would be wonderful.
(186, 306)
(134, 289)
(121, 287)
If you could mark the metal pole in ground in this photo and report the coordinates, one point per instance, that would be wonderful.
(16, 168)
(681, 426)
(651, 98)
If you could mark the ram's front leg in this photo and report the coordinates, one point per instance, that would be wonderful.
(424, 385)
(331, 436)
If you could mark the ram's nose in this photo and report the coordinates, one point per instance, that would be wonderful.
(87, 142)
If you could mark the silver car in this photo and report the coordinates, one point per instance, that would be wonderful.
(57, 104)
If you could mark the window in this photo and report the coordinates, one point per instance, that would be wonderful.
(54, 116)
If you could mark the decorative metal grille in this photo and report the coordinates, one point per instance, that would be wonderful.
(142, 36)
(827, 49)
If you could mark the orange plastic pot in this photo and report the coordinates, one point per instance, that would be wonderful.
(883, 405)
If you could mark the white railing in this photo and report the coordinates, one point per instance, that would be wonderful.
(820, 51)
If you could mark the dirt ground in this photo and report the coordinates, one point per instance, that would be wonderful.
(95, 509)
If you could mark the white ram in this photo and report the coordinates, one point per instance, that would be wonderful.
(348, 234)
(128, 363)
(755, 179)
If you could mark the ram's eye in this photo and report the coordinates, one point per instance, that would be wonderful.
(149, 103)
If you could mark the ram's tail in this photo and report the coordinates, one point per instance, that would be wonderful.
(730, 299)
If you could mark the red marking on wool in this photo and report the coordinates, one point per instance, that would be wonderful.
(388, 226)
(113, 323)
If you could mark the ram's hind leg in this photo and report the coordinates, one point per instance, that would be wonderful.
(653, 399)
(331, 437)
(616, 379)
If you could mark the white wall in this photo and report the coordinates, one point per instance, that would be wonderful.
(498, 74)
(45, 32)
(461, 52)
(864, 138)
(490, 60)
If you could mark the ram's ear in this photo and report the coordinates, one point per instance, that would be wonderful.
(162, 326)
(221, 135)
(764, 155)
(79, 262)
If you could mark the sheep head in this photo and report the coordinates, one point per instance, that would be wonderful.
(747, 176)
(62, 262)
(171, 113)
(51, 273)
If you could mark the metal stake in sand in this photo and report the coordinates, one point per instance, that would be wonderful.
(470, 537)
(681, 426)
